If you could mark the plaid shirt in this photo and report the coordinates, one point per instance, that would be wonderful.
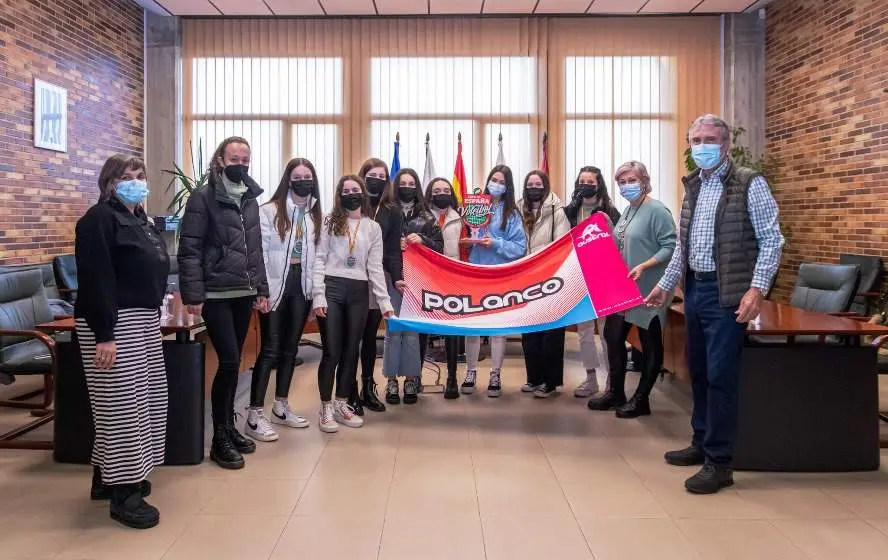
(762, 210)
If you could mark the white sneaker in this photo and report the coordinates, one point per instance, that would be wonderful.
(281, 414)
(345, 414)
(258, 428)
(494, 388)
(325, 419)
(588, 387)
(468, 386)
(528, 388)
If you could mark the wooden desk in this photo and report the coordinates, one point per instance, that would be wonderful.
(804, 405)
(184, 359)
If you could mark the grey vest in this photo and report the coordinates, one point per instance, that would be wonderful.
(735, 248)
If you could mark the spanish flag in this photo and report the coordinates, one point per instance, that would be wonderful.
(460, 189)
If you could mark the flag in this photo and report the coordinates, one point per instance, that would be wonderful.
(460, 187)
(544, 164)
(578, 278)
(428, 171)
(396, 159)
(500, 157)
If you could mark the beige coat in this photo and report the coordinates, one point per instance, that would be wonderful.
(551, 223)
(452, 231)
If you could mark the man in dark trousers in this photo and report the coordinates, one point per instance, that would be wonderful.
(728, 253)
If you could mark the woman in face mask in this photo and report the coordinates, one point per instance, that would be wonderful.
(544, 221)
(645, 235)
(348, 265)
(442, 202)
(222, 277)
(590, 195)
(502, 241)
(291, 229)
(123, 265)
(402, 355)
(384, 210)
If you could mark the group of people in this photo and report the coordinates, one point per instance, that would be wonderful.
(288, 261)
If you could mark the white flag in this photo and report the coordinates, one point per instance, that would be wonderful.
(500, 157)
(428, 171)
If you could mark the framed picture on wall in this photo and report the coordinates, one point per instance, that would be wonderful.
(50, 116)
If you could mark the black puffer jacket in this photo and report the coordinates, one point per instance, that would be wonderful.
(220, 245)
(424, 224)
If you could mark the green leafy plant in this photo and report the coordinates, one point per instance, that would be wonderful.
(185, 184)
(743, 157)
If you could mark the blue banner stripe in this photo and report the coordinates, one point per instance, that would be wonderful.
(584, 311)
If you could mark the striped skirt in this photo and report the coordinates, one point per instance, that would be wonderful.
(129, 402)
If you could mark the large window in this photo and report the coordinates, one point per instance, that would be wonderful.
(621, 108)
(478, 97)
(285, 108)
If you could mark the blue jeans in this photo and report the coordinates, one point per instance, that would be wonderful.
(401, 355)
(715, 343)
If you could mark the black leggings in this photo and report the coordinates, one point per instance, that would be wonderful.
(227, 321)
(368, 345)
(616, 329)
(347, 304)
(544, 357)
(281, 333)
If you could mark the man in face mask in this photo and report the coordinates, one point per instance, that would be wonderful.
(728, 253)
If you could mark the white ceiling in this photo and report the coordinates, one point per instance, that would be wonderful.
(444, 7)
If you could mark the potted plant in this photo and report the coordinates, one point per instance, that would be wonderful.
(185, 184)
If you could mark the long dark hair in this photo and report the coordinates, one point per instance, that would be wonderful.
(388, 197)
(113, 169)
(428, 193)
(282, 220)
(419, 202)
(604, 200)
(337, 222)
(530, 215)
(215, 166)
(508, 198)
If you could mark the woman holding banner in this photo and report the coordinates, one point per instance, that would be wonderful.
(502, 241)
(348, 265)
(384, 211)
(645, 235)
(544, 221)
(441, 200)
(402, 356)
(590, 196)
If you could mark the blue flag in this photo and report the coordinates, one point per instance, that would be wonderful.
(396, 159)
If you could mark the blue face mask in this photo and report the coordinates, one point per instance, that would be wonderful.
(133, 191)
(496, 189)
(706, 156)
(631, 191)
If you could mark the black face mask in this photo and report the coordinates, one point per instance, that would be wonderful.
(442, 201)
(302, 188)
(375, 186)
(587, 191)
(533, 194)
(352, 201)
(407, 194)
(236, 173)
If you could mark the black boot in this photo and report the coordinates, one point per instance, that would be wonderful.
(451, 388)
(223, 451)
(710, 479)
(130, 509)
(638, 405)
(354, 401)
(687, 457)
(607, 401)
(369, 398)
(101, 491)
(241, 443)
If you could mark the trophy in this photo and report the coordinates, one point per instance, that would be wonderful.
(475, 213)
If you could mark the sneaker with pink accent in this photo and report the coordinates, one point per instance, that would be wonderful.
(326, 422)
(344, 414)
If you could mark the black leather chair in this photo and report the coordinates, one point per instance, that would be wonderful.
(871, 270)
(50, 287)
(26, 351)
(65, 268)
(825, 288)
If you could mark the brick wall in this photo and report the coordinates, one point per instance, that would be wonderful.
(94, 49)
(827, 125)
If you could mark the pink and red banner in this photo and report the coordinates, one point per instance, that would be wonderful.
(579, 277)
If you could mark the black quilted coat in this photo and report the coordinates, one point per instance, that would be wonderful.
(220, 245)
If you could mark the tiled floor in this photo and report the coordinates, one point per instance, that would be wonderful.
(476, 478)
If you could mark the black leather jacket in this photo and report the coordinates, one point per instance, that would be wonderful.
(425, 225)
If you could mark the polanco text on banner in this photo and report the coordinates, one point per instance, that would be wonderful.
(579, 277)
